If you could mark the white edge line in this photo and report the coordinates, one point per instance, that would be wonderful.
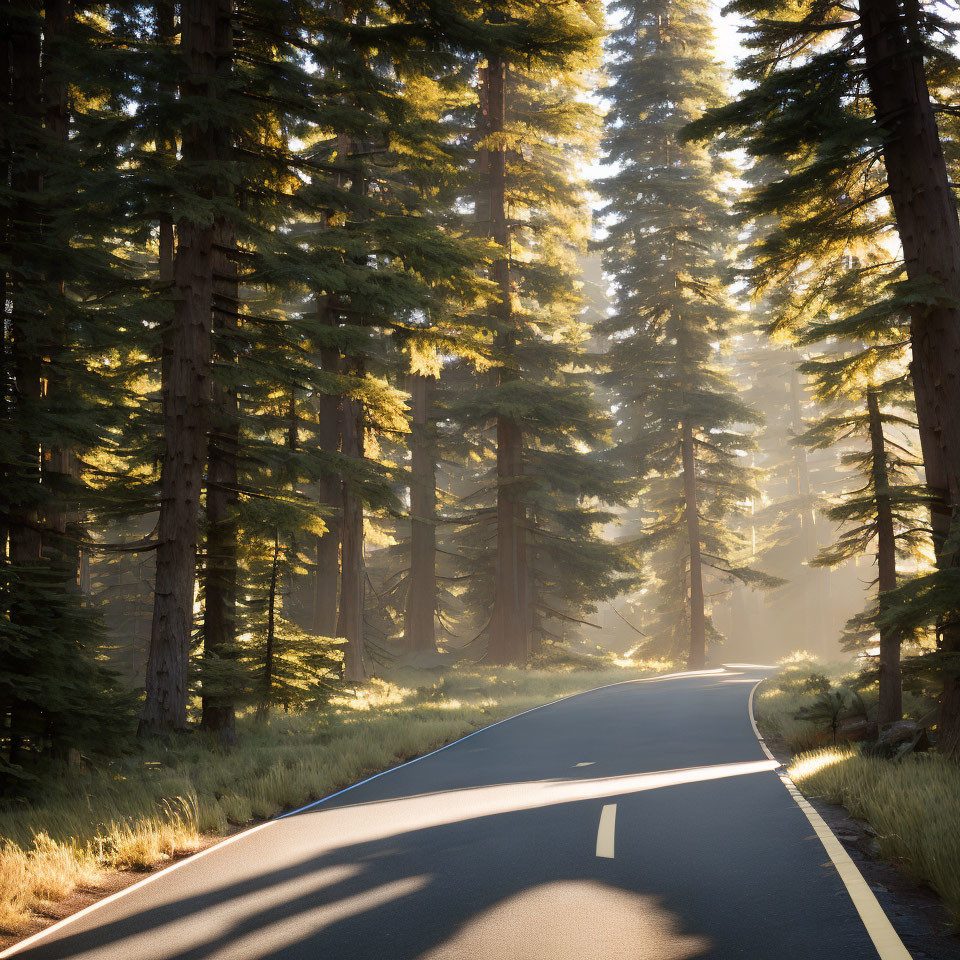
(885, 938)
(192, 858)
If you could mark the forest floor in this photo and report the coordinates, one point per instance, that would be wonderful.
(91, 831)
(879, 808)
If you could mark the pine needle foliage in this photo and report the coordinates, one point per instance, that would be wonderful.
(682, 426)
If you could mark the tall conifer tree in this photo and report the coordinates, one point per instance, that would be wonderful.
(863, 387)
(682, 424)
(55, 398)
(850, 97)
(530, 129)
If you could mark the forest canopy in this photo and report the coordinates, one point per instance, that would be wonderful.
(343, 337)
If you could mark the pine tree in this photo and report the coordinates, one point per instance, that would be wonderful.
(207, 53)
(530, 129)
(54, 401)
(420, 609)
(863, 385)
(682, 424)
(846, 95)
(385, 260)
(884, 514)
(346, 208)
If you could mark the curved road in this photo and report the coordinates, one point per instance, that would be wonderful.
(640, 821)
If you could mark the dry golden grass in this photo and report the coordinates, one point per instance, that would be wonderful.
(912, 803)
(47, 871)
(778, 699)
(141, 811)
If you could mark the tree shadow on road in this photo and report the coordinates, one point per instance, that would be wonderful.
(520, 884)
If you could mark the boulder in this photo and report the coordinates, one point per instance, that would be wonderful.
(897, 739)
(899, 732)
(857, 728)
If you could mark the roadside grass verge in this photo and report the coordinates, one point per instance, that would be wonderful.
(140, 811)
(912, 803)
(779, 698)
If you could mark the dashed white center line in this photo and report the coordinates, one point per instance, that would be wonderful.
(606, 830)
(589, 763)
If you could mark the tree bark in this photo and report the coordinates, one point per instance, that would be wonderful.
(948, 630)
(23, 328)
(350, 616)
(220, 570)
(926, 216)
(812, 578)
(535, 620)
(266, 692)
(421, 606)
(327, 576)
(26, 106)
(327, 579)
(508, 636)
(206, 45)
(166, 146)
(6, 158)
(697, 656)
(60, 468)
(891, 706)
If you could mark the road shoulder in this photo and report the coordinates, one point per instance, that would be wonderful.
(915, 911)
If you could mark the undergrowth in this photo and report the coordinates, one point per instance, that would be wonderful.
(912, 803)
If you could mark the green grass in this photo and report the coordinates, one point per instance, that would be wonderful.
(140, 811)
(912, 803)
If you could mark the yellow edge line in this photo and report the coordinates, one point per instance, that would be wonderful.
(886, 940)
(607, 830)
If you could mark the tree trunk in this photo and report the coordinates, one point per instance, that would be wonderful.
(166, 145)
(948, 630)
(535, 621)
(60, 468)
(220, 570)
(22, 486)
(25, 493)
(350, 617)
(206, 42)
(925, 212)
(508, 638)
(6, 162)
(421, 606)
(266, 693)
(926, 215)
(327, 577)
(812, 578)
(293, 605)
(508, 634)
(890, 708)
(6, 29)
(697, 657)
(326, 581)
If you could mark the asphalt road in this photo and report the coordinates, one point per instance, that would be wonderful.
(638, 821)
